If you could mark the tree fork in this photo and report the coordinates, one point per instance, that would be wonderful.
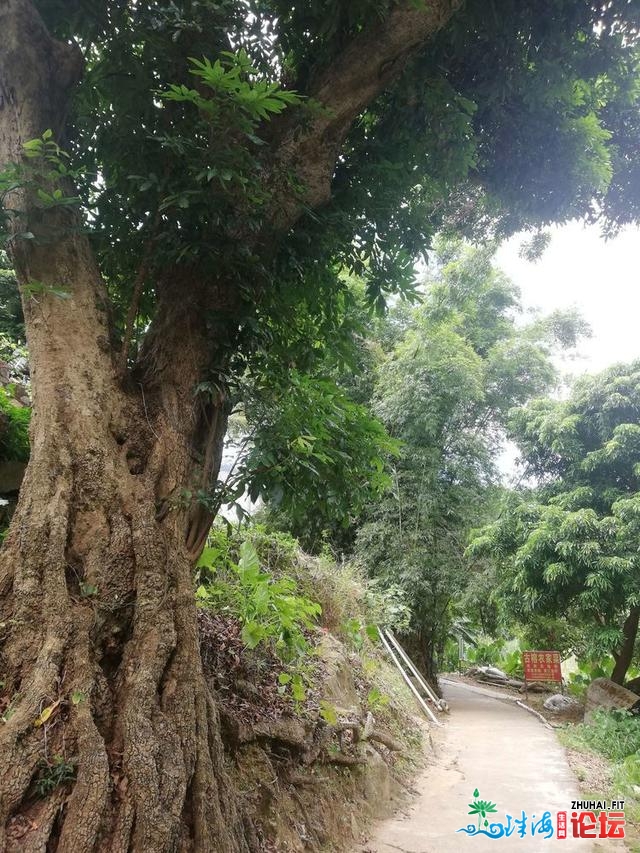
(366, 67)
(100, 652)
(99, 646)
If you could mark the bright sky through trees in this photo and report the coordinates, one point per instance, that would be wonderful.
(601, 278)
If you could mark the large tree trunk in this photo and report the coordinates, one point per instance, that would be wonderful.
(100, 664)
(624, 656)
(99, 621)
(96, 601)
(110, 738)
(96, 597)
(420, 647)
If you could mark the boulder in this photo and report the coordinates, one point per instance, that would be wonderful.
(496, 674)
(488, 673)
(606, 694)
(559, 703)
(634, 685)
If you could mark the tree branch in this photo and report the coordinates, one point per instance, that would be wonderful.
(373, 60)
(37, 77)
(136, 296)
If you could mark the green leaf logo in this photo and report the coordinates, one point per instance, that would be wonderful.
(482, 808)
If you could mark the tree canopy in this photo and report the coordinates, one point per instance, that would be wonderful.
(187, 187)
(569, 546)
(512, 117)
(463, 360)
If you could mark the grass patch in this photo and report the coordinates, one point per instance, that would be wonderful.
(614, 734)
(615, 737)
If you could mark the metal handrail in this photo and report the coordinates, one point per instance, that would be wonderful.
(440, 704)
(408, 681)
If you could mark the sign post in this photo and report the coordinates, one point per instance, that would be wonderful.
(541, 666)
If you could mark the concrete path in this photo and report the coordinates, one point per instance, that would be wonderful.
(511, 758)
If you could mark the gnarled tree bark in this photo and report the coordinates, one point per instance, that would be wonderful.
(99, 649)
(96, 593)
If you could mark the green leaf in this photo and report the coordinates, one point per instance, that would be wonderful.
(252, 634)
(328, 713)
(298, 690)
(208, 557)
(261, 598)
(77, 697)
(202, 593)
(249, 564)
(8, 714)
(372, 633)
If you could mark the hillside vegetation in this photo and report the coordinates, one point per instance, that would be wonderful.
(319, 730)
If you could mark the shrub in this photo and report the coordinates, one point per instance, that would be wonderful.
(486, 652)
(511, 663)
(14, 429)
(615, 734)
(588, 670)
(269, 608)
